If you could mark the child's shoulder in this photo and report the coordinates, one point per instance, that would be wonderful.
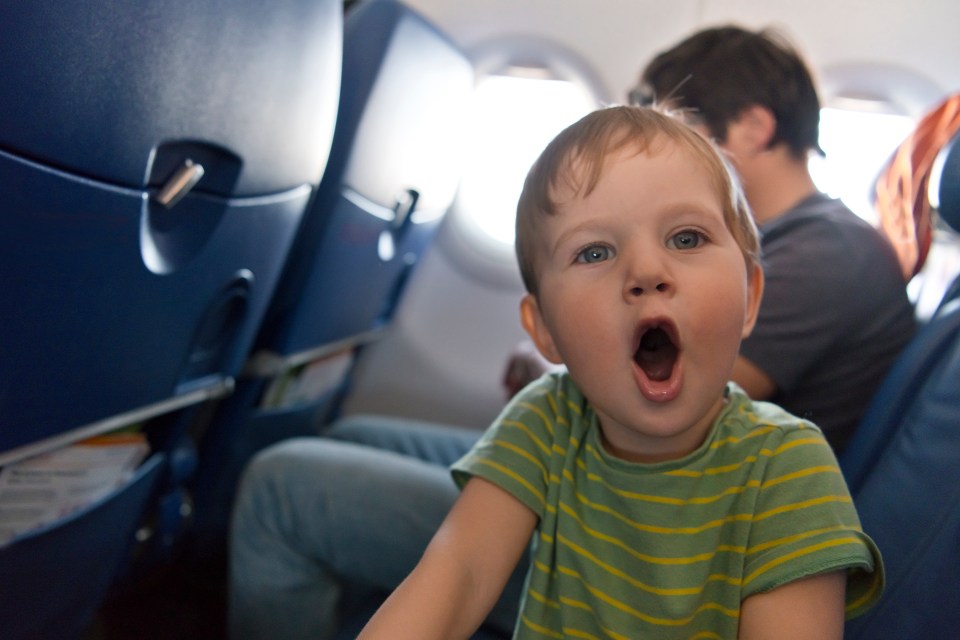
(765, 421)
(554, 392)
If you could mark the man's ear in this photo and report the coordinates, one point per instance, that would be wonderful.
(532, 321)
(755, 286)
(754, 128)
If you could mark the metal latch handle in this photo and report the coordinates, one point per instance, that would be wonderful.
(180, 183)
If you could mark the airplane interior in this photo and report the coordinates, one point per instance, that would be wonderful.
(226, 224)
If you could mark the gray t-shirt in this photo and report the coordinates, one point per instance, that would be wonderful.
(834, 315)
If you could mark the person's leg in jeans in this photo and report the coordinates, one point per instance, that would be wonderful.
(312, 513)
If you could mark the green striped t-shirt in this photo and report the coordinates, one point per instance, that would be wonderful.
(669, 550)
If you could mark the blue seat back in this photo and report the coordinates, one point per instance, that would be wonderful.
(156, 160)
(392, 174)
(114, 306)
(903, 469)
(53, 579)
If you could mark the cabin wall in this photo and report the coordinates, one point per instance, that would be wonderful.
(618, 36)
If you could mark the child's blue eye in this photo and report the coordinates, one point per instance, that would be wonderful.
(594, 253)
(687, 240)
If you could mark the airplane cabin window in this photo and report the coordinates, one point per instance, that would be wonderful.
(524, 96)
(514, 117)
(858, 138)
(869, 108)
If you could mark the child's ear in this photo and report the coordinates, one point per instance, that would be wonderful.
(755, 285)
(532, 321)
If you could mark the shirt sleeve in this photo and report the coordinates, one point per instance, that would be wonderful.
(805, 524)
(515, 451)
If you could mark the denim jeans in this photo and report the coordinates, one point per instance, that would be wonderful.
(354, 507)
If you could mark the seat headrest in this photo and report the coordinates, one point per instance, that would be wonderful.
(99, 90)
(945, 185)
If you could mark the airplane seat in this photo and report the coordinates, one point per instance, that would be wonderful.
(153, 181)
(52, 579)
(951, 294)
(393, 171)
(152, 187)
(903, 468)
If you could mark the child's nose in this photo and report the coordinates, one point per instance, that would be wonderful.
(648, 276)
(636, 291)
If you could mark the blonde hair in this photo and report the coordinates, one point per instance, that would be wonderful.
(573, 161)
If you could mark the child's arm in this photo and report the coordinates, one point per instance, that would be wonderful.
(463, 570)
(808, 609)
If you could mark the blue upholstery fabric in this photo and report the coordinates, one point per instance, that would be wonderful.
(903, 468)
(52, 580)
(391, 176)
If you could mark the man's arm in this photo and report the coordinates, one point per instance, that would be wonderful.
(808, 609)
(524, 365)
(753, 379)
(462, 572)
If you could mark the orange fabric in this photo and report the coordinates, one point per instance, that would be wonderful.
(901, 188)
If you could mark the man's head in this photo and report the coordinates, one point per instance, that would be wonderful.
(716, 74)
(570, 166)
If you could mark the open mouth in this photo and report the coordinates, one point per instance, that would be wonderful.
(657, 353)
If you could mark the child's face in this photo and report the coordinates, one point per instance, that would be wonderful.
(644, 294)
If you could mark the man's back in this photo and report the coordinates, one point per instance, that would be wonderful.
(834, 316)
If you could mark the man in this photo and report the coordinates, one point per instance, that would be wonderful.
(835, 313)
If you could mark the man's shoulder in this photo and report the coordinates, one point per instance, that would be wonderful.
(818, 216)
(822, 238)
